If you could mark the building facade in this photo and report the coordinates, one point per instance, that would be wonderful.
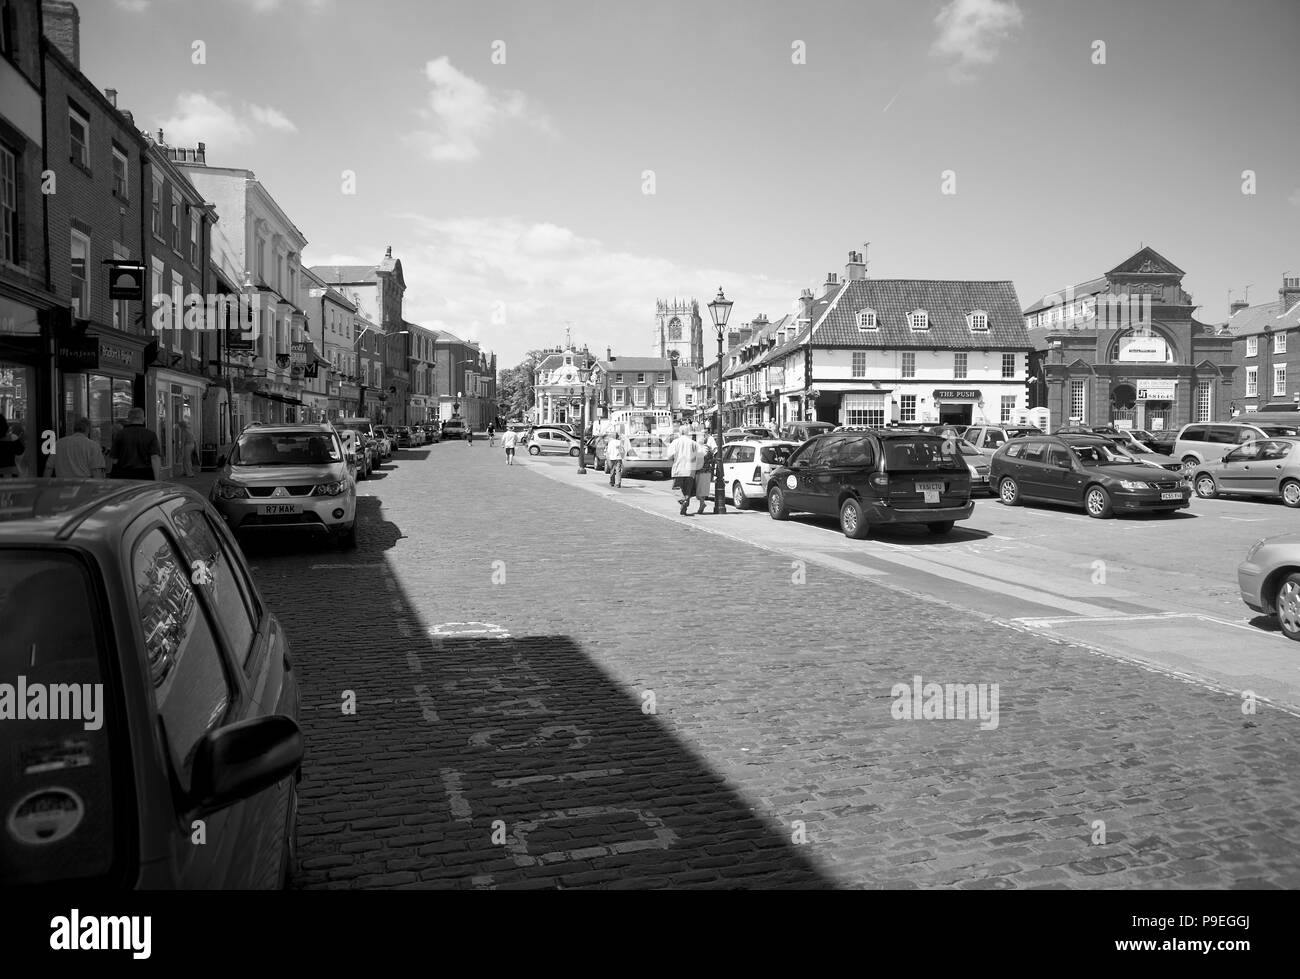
(1130, 352)
(1266, 349)
(631, 384)
(466, 381)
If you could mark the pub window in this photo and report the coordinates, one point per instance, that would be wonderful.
(979, 321)
(959, 365)
(859, 363)
(909, 364)
(918, 320)
(907, 408)
(119, 172)
(1008, 408)
(1008, 365)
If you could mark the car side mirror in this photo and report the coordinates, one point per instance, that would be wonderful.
(239, 760)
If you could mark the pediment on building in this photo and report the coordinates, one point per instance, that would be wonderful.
(1145, 261)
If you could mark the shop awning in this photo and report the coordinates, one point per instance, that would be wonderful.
(272, 396)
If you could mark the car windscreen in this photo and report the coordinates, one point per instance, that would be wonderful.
(1102, 455)
(306, 449)
(922, 453)
(775, 455)
(63, 793)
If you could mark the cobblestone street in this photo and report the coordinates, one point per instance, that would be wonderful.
(556, 690)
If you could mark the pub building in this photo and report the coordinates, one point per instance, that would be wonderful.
(1125, 349)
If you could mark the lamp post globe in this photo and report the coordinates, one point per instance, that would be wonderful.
(720, 310)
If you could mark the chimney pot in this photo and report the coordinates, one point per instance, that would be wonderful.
(111, 95)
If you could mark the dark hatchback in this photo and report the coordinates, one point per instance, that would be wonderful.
(876, 477)
(1083, 471)
(130, 605)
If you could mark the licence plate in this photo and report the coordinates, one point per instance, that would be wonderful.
(930, 490)
(1171, 496)
(277, 509)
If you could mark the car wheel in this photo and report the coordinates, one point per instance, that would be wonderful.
(1189, 466)
(1291, 493)
(1009, 492)
(348, 538)
(776, 504)
(534, 450)
(852, 520)
(940, 527)
(1097, 502)
(573, 452)
(738, 498)
(1287, 605)
(1206, 488)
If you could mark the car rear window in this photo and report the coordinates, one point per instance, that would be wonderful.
(62, 797)
(775, 455)
(286, 449)
(924, 452)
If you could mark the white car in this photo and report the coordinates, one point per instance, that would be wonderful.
(552, 441)
(747, 465)
(646, 453)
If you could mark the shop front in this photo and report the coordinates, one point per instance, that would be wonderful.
(956, 406)
(25, 399)
(177, 401)
(101, 378)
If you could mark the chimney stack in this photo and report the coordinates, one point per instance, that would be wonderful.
(129, 118)
(856, 268)
(609, 353)
(807, 299)
(733, 338)
(63, 28)
(111, 95)
(159, 139)
(832, 283)
(1237, 306)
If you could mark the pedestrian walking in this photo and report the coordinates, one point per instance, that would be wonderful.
(12, 448)
(704, 481)
(685, 454)
(510, 439)
(615, 452)
(492, 435)
(136, 453)
(469, 434)
(186, 439)
(76, 456)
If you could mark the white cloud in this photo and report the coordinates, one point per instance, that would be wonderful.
(133, 6)
(971, 31)
(462, 113)
(211, 119)
(273, 118)
(462, 273)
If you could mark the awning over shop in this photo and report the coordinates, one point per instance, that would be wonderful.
(272, 396)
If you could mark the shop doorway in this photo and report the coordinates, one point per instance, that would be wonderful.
(954, 414)
(1123, 404)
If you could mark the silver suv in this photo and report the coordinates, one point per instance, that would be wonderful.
(289, 478)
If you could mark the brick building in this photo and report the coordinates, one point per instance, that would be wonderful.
(1266, 349)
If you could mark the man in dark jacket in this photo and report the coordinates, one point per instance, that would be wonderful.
(136, 453)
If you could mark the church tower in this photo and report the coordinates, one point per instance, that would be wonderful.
(679, 332)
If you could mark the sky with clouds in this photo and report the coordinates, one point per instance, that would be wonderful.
(515, 193)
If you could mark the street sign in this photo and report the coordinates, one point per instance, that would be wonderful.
(125, 281)
(1155, 390)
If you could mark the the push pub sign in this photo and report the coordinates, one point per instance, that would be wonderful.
(125, 281)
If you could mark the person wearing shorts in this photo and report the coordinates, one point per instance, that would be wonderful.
(510, 439)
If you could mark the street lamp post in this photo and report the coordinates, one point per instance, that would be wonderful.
(582, 432)
(720, 310)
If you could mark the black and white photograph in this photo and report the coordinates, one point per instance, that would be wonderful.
(374, 377)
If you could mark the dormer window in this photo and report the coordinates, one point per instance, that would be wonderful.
(918, 320)
(867, 320)
(978, 321)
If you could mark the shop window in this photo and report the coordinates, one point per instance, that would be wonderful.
(907, 408)
(1008, 408)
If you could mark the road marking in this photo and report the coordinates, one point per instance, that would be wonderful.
(469, 629)
(664, 838)
(1050, 623)
(460, 809)
(510, 783)
(347, 567)
(1224, 516)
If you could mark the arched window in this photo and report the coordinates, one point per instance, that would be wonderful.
(674, 329)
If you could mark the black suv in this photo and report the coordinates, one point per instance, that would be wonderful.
(873, 477)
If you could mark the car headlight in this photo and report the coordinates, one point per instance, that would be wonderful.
(1134, 484)
(1254, 548)
(336, 488)
(223, 490)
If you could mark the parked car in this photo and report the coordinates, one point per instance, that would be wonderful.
(138, 591)
(404, 438)
(1268, 467)
(453, 428)
(803, 431)
(1269, 581)
(1199, 442)
(646, 453)
(288, 478)
(1075, 429)
(432, 433)
(874, 478)
(976, 461)
(552, 441)
(387, 443)
(355, 449)
(989, 438)
(1161, 441)
(1141, 454)
(1083, 471)
(747, 466)
(749, 432)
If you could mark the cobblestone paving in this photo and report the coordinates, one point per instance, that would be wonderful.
(553, 690)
